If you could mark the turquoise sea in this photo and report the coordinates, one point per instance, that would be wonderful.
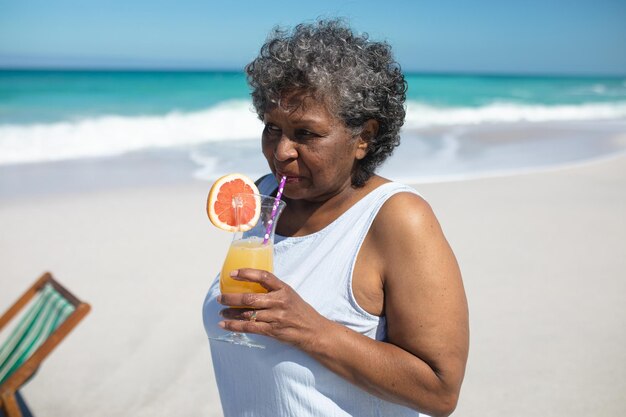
(457, 125)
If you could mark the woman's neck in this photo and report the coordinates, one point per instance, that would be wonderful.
(302, 217)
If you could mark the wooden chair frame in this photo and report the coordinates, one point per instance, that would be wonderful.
(8, 401)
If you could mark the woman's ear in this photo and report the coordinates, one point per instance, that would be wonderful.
(369, 132)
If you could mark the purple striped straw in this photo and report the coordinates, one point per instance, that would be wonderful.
(268, 229)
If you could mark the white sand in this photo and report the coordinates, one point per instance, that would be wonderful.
(543, 257)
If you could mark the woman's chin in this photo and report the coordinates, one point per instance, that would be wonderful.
(296, 192)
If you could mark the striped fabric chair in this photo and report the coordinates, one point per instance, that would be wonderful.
(51, 314)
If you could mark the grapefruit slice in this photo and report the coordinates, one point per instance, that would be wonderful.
(221, 207)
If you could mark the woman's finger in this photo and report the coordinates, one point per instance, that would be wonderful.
(245, 300)
(235, 313)
(266, 279)
(240, 314)
(247, 326)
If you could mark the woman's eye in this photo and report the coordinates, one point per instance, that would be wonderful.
(305, 133)
(271, 128)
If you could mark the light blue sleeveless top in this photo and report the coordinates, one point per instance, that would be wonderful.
(281, 380)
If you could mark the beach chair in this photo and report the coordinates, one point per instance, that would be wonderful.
(51, 314)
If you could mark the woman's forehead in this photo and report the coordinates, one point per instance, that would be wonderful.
(291, 100)
(299, 105)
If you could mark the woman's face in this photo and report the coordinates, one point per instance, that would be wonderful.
(311, 147)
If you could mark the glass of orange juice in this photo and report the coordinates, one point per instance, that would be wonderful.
(253, 248)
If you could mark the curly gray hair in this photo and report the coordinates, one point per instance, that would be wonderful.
(358, 78)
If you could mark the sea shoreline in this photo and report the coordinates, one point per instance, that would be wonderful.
(429, 155)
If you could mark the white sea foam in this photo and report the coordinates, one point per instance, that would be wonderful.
(421, 115)
(115, 135)
(235, 120)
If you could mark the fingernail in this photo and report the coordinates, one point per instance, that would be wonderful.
(222, 324)
(219, 299)
(234, 273)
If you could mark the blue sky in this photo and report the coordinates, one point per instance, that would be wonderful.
(531, 36)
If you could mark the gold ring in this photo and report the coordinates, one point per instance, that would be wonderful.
(253, 316)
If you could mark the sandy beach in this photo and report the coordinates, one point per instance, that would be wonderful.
(542, 256)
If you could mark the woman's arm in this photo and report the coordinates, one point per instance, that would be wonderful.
(422, 363)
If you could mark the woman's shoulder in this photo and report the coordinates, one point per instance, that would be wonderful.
(406, 236)
(405, 213)
(402, 202)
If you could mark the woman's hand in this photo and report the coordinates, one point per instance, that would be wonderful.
(280, 313)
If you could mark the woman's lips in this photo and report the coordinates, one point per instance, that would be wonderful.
(290, 178)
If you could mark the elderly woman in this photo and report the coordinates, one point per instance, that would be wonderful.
(365, 313)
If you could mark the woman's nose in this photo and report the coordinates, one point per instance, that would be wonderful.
(285, 149)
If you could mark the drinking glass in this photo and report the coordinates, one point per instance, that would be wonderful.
(250, 249)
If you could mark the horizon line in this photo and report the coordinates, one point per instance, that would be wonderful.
(191, 69)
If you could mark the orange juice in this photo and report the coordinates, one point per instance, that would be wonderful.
(246, 253)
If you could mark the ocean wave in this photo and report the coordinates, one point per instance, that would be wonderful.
(116, 135)
(235, 120)
(422, 115)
